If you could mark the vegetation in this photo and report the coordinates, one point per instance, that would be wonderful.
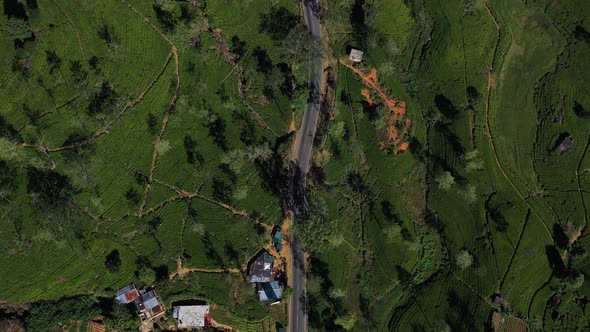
(137, 137)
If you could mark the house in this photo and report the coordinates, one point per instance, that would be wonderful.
(269, 291)
(149, 305)
(126, 294)
(356, 55)
(261, 269)
(192, 316)
(277, 239)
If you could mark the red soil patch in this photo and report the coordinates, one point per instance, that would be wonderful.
(397, 130)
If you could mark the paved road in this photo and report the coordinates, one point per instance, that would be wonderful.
(298, 303)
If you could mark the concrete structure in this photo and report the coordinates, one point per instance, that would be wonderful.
(192, 316)
(356, 55)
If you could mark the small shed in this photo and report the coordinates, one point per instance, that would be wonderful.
(277, 240)
(192, 316)
(269, 291)
(261, 269)
(356, 55)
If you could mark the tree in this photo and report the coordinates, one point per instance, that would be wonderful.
(113, 261)
(107, 33)
(464, 259)
(164, 17)
(18, 28)
(277, 23)
(192, 153)
(45, 315)
(79, 73)
(102, 99)
(49, 186)
(347, 322)
(152, 123)
(300, 47)
(53, 60)
(445, 181)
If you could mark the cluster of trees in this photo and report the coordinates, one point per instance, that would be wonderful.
(103, 99)
(46, 315)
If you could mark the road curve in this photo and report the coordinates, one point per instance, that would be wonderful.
(303, 149)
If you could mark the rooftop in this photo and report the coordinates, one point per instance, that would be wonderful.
(126, 294)
(261, 269)
(191, 316)
(269, 291)
(356, 55)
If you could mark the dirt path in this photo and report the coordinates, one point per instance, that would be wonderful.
(183, 194)
(105, 130)
(182, 271)
(222, 327)
(398, 126)
(490, 87)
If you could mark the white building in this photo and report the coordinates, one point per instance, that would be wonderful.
(191, 316)
(356, 55)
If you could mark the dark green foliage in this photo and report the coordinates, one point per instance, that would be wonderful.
(8, 131)
(238, 46)
(187, 13)
(113, 261)
(152, 123)
(472, 94)
(217, 131)
(107, 33)
(31, 114)
(48, 186)
(8, 180)
(445, 106)
(581, 111)
(221, 190)
(193, 155)
(582, 34)
(53, 60)
(32, 4)
(164, 17)
(78, 71)
(93, 62)
(277, 23)
(16, 9)
(133, 196)
(80, 150)
(263, 61)
(103, 99)
(45, 315)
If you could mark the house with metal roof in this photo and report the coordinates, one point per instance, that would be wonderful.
(261, 269)
(192, 316)
(269, 291)
(149, 305)
(126, 294)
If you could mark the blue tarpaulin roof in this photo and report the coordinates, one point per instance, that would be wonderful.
(269, 291)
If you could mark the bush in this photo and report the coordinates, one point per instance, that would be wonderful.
(113, 261)
(45, 315)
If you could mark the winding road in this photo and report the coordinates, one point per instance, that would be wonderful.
(303, 150)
